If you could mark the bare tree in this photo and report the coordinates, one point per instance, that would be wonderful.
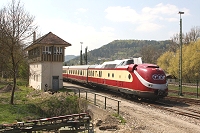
(188, 37)
(174, 42)
(193, 35)
(150, 54)
(16, 25)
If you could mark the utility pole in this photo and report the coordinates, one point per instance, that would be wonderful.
(81, 61)
(180, 58)
(85, 57)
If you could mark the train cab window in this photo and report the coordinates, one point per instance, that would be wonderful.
(112, 75)
(129, 62)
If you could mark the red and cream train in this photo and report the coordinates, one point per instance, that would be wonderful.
(129, 76)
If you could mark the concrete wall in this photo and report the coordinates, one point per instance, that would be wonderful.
(42, 73)
(50, 69)
(35, 75)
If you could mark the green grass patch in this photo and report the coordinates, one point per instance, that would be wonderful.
(122, 120)
(32, 104)
(188, 91)
(20, 112)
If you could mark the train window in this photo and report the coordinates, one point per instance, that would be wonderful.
(108, 74)
(83, 72)
(100, 74)
(93, 73)
(112, 75)
(96, 75)
(80, 72)
(129, 76)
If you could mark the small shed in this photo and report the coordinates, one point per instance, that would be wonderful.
(170, 78)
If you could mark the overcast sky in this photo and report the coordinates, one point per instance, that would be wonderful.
(99, 22)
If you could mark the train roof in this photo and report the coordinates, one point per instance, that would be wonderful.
(79, 67)
(124, 62)
(109, 64)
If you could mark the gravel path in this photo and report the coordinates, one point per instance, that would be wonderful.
(140, 119)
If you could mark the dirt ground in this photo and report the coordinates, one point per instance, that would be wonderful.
(141, 120)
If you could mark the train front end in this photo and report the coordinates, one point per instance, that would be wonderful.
(151, 81)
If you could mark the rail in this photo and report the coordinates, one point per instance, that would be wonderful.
(74, 122)
(95, 97)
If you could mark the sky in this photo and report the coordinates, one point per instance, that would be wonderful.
(98, 22)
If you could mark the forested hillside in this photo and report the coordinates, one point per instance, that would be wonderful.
(149, 50)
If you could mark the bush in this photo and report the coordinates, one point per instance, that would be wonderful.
(61, 104)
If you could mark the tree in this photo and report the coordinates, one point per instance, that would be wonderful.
(164, 60)
(191, 36)
(16, 26)
(169, 61)
(150, 54)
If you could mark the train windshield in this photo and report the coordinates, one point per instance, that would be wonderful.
(129, 62)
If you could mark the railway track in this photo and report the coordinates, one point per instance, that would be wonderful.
(184, 111)
(184, 100)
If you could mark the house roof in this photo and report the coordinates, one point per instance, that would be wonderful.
(48, 39)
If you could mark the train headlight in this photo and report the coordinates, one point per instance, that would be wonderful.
(158, 77)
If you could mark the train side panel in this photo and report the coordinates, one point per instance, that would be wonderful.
(143, 80)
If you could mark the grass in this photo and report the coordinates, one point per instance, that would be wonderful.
(189, 92)
(13, 113)
(122, 120)
(32, 104)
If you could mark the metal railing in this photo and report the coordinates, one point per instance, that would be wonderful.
(95, 97)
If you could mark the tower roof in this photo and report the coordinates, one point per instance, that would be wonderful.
(49, 39)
